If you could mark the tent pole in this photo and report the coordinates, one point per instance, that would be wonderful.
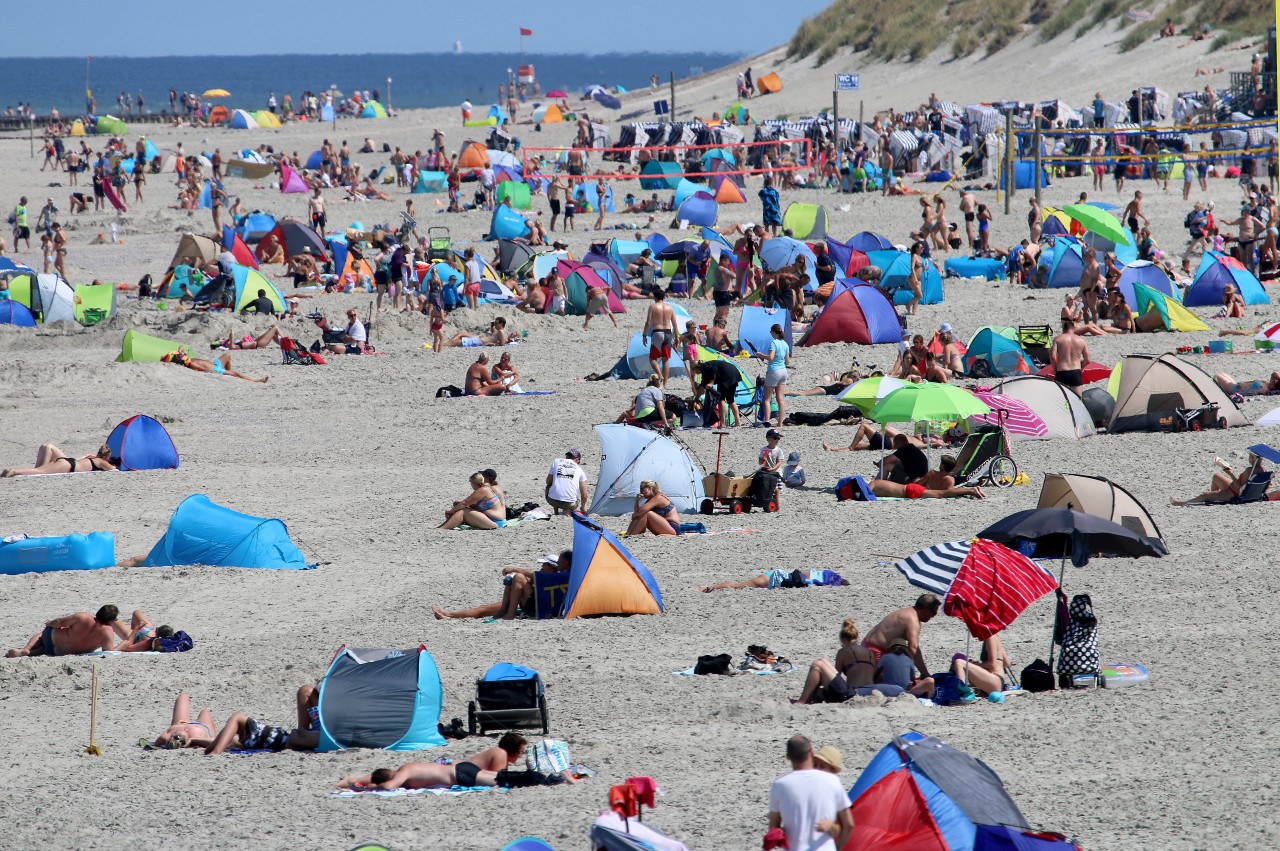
(1008, 162)
(673, 94)
(1039, 142)
(1062, 572)
(835, 132)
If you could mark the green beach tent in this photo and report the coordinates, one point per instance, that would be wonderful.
(111, 124)
(94, 303)
(515, 191)
(1174, 315)
(143, 348)
(806, 221)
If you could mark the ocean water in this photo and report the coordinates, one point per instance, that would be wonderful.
(418, 80)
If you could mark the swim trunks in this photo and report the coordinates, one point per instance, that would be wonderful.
(470, 342)
(969, 217)
(259, 736)
(219, 368)
(722, 298)
(660, 344)
(472, 288)
(877, 652)
(45, 647)
(914, 491)
(466, 773)
(1069, 377)
(555, 206)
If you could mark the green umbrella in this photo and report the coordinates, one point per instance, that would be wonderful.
(1098, 221)
(928, 401)
(864, 394)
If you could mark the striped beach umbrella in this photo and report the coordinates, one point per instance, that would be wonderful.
(1270, 332)
(1017, 417)
(985, 584)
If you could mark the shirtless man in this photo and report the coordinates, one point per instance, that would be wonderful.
(479, 770)
(659, 326)
(478, 382)
(1133, 212)
(1091, 285)
(77, 633)
(904, 623)
(517, 591)
(718, 336)
(916, 490)
(968, 205)
(554, 189)
(1069, 354)
(534, 301)
(498, 335)
(303, 268)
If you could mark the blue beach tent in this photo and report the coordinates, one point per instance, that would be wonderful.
(1215, 272)
(13, 313)
(506, 224)
(1065, 265)
(142, 443)
(700, 208)
(203, 532)
(754, 325)
(1004, 357)
(380, 698)
(895, 271)
(1149, 275)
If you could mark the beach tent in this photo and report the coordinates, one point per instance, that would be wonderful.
(291, 182)
(631, 455)
(1151, 384)
(294, 236)
(866, 240)
(686, 189)
(137, 347)
(498, 114)
(1063, 413)
(232, 242)
(548, 113)
(920, 793)
(700, 208)
(380, 698)
(177, 277)
(203, 532)
(1066, 264)
(659, 175)
(266, 120)
(1099, 497)
(850, 260)
(248, 281)
(805, 221)
(598, 258)
(94, 303)
(373, 109)
(10, 266)
(514, 258)
(241, 120)
(769, 83)
(218, 115)
(430, 181)
(1215, 272)
(515, 192)
(855, 313)
(345, 263)
(1125, 252)
(315, 160)
(13, 313)
(605, 579)
(202, 248)
(142, 443)
(1002, 355)
(473, 155)
(895, 271)
(728, 192)
(77, 127)
(255, 226)
(1174, 316)
(754, 324)
(1147, 274)
(47, 296)
(111, 125)
(506, 223)
(1024, 175)
(635, 363)
(577, 278)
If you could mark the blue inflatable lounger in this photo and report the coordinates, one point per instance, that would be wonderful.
(21, 554)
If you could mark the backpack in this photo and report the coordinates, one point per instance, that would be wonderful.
(179, 642)
(713, 664)
(1079, 641)
(1037, 676)
(447, 391)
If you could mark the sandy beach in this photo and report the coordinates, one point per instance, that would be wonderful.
(360, 459)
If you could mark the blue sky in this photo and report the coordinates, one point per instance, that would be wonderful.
(154, 28)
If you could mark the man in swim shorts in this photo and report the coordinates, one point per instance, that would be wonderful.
(1069, 354)
(76, 633)
(659, 334)
(904, 624)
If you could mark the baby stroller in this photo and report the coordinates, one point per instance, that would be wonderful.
(984, 459)
(439, 244)
(508, 697)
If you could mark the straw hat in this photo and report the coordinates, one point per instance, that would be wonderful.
(831, 756)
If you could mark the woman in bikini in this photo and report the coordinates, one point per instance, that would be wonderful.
(854, 668)
(182, 732)
(483, 509)
(50, 459)
(653, 512)
(262, 341)
(221, 365)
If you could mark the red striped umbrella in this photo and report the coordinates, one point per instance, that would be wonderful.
(1092, 372)
(1018, 418)
(983, 583)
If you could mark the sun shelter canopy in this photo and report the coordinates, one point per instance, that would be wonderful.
(380, 698)
(203, 532)
(1216, 272)
(1099, 497)
(1152, 384)
(1063, 413)
(855, 313)
(142, 443)
(631, 455)
(605, 578)
(806, 221)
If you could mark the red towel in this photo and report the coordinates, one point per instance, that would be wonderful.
(775, 838)
(623, 801)
(644, 787)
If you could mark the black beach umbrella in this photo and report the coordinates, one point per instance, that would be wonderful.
(1071, 534)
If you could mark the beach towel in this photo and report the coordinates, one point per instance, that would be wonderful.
(438, 791)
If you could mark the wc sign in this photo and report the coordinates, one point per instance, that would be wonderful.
(847, 83)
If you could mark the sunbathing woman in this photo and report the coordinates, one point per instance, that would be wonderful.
(991, 674)
(142, 635)
(778, 579)
(262, 341)
(1257, 387)
(1225, 486)
(653, 512)
(838, 385)
(182, 732)
(220, 365)
(50, 459)
(483, 509)
(854, 668)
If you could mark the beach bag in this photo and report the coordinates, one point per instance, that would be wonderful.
(950, 690)
(1079, 642)
(179, 642)
(548, 756)
(718, 664)
(447, 391)
(1037, 676)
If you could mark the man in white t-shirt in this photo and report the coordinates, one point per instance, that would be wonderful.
(487, 178)
(807, 797)
(566, 483)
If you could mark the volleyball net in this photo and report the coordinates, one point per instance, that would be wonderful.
(655, 163)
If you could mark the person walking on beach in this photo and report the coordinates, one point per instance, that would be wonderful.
(809, 805)
(600, 198)
(139, 178)
(315, 210)
(772, 213)
(1133, 212)
(554, 189)
(967, 206)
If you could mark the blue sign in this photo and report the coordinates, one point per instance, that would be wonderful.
(847, 82)
(661, 107)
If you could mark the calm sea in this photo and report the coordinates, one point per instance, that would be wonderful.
(418, 80)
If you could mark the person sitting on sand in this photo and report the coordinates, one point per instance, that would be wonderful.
(653, 512)
(245, 343)
(838, 386)
(182, 732)
(142, 636)
(221, 365)
(854, 668)
(1256, 387)
(1225, 485)
(636, 268)
(303, 268)
(535, 299)
(1232, 304)
(517, 592)
(904, 624)
(505, 373)
(496, 336)
(72, 634)
(271, 252)
(718, 336)
(649, 405)
(780, 579)
(479, 381)
(482, 509)
(894, 672)
(50, 460)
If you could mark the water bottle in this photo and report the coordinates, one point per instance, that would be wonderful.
(113, 233)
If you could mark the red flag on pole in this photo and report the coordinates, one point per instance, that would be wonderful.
(524, 31)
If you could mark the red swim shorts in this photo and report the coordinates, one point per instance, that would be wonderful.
(914, 491)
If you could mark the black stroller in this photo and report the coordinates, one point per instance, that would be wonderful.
(508, 697)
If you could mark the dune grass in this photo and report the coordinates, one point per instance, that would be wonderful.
(911, 29)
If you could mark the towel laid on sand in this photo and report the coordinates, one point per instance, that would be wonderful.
(439, 791)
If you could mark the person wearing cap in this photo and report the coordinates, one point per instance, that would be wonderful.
(894, 671)
(808, 803)
(517, 593)
(567, 484)
(793, 475)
